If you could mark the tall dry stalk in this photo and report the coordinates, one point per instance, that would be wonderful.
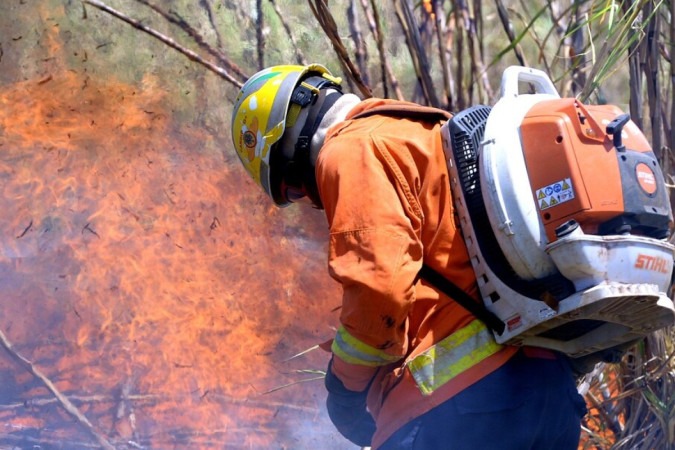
(582, 44)
(633, 403)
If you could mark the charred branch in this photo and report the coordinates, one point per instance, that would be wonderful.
(91, 230)
(80, 400)
(25, 230)
(45, 442)
(64, 402)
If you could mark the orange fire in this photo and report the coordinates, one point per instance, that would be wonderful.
(145, 277)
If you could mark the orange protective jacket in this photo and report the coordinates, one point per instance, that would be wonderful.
(384, 185)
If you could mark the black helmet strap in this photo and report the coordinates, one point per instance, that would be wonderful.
(300, 170)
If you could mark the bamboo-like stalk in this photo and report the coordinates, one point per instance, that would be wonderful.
(173, 18)
(651, 49)
(360, 49)
(443, 53)
(417, 53)
(618, 44)
(80, 399)
(560, 32)
(259, 33)
(462, 100)
(671, 54)
(611, 37)
(374, 24)
(372, 19)
(577, 48)
(479, 73)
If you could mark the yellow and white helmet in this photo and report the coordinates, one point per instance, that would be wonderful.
(262, 111)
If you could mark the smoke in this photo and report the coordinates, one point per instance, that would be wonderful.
(150, 282)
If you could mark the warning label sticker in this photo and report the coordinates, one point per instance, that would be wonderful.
(555, 194)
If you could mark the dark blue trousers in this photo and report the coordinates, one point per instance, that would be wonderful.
(527, 404)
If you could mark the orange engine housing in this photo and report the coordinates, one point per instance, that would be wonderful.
(566, 145)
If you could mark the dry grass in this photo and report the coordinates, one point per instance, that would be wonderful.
(632, 404)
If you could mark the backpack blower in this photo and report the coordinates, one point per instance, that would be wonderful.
(566, 216)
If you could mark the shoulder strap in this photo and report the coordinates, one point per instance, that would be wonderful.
(407, 111)
(465, 300)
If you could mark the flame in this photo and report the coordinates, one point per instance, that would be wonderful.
(428, 7)
(146, 277)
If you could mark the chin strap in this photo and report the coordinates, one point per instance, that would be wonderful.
(300, 165)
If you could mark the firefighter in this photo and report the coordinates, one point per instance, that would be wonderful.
(410, 368)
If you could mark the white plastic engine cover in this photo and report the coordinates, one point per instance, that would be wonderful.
(589, 260)
(506, 188)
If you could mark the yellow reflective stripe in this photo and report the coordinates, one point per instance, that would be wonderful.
(453, 355)
(353, 351)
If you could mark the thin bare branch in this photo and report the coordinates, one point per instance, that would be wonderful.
(508, 29)
(327, 22)
(374, 24)
(360, 49)
(443, 51)
(417, 53)
(166, 40)
(304, 352)
(651, 49)
(278, 388)
(209, 12)
(260, 34)
(478, 69)
(66, 404)
(174, 18)
(299, 56)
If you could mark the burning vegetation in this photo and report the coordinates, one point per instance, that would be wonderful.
(150, 297)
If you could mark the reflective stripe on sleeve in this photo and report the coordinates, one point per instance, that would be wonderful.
(453, 355)
(353, 351)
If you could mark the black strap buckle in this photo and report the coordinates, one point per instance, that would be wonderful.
(302, 96)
